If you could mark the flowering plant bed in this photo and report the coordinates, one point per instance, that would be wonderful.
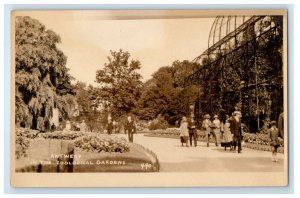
(62, 135)
(173, 132)
(259, 139)
(98, 153)
(102, 143)
(167, 132)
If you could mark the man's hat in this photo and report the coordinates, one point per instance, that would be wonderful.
(237, 113)
(272, 123)
(215, 116)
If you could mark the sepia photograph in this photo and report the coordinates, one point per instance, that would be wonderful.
(149, 98)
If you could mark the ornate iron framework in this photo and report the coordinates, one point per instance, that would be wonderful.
(234, 41)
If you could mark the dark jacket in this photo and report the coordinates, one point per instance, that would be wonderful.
(130, 126)
(191, 126)
(235, 127)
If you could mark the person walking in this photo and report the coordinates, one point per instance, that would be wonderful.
(206, 124)
(235, 128)
(226, 133)
(192, 131)
(217, 129)
(130, 128)
(184, 132)
(273, 134)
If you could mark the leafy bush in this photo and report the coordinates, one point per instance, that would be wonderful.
(158, 123)
(102, 143)
(142, 125)
(167, 132)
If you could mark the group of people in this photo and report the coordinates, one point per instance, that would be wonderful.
(112, 126)
(227, 132)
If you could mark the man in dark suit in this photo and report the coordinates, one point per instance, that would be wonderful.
(235, 128)
(192, 131)
(130, 128)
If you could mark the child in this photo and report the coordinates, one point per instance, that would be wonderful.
(273, 135)
(184, 131)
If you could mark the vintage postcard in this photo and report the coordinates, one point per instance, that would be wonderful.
(149, 98)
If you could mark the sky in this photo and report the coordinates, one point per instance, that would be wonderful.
(88, 36)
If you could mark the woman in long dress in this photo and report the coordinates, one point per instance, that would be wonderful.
(184, 131)
(227, 136)
(207, 125)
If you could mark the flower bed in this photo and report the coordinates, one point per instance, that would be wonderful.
(174, 132)
(102, 143)
(62, 135)
(94, 142)
(259, 139)
(167, 132)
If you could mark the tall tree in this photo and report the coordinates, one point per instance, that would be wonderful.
(42, 79)
(158, 93)
(182, 69)
(164, 94)
(120, 83)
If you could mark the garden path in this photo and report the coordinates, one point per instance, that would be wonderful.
(175, 158)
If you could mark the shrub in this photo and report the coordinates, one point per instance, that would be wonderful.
(158, 123)
(142, 125)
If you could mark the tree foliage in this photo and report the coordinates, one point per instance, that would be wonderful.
(41, 76)
(120, 83)
(164, 95)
